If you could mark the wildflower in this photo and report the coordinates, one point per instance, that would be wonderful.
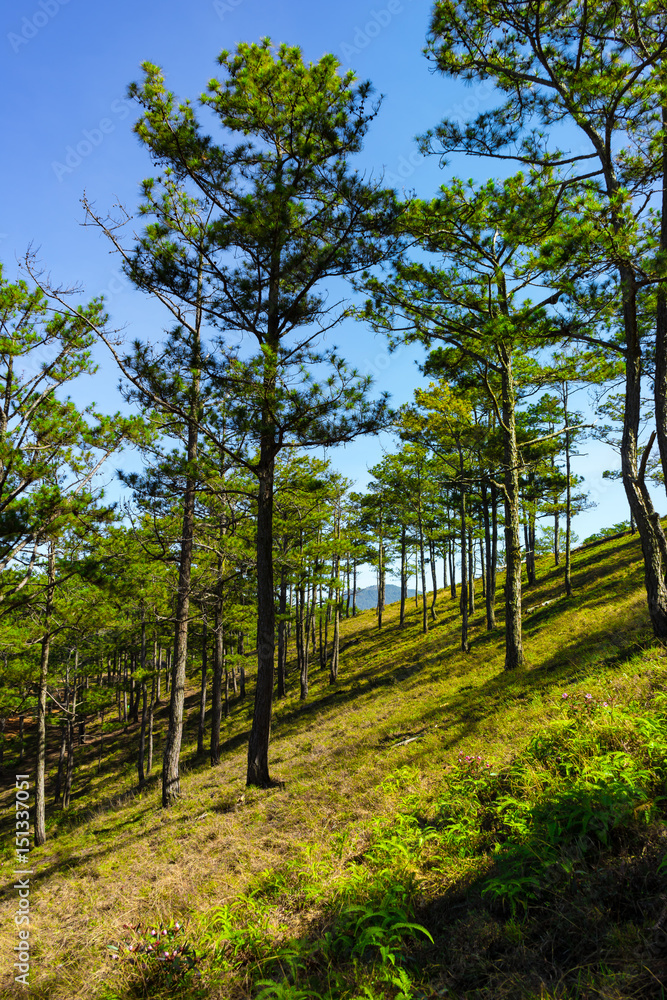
(605, 704)
(565, 694)
(588, 697)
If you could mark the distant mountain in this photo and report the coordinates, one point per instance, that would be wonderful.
(368, 597)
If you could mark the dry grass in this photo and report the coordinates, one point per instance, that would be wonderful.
(117, 858)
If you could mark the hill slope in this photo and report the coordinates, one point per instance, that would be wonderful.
(445, 829)
(367, 598)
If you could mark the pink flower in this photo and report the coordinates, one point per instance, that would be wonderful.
(565, 694)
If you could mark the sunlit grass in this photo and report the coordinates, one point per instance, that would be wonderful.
(382, 822)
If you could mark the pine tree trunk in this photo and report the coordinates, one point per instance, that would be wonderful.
(151, 711)
(568, 499)
(471, 573)
(660, 379)
(260, 734)
(201, 730)
(404, 574)
(423, 570)
(513, 631)
(464, 574)
(218, 667)
(40, 800)
(282, 633)
(434, 580)
(61, 762)
(171, 782)
(142, 735)
(69, 770)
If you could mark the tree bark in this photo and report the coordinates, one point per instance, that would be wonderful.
(260, 734)
(218, 667)
(434, 579)
(40, 801)
(568, 498)
(489, 589)
(171, 783)
(464, 573)
(513, 632)
(404, 574)
(201, 730)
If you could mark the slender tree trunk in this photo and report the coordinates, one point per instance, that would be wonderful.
(282, 631)
(423, 569)
(464, 573)
(380, 607)
(654, 546)
(471, 573)
(144, 700)
(333, 666)
(513, 631)
(260, 734)
(404, 574)
(151, 711)
(61, 761)
(171, 783)
(142, 735)
(201, 730)
(218, 667)
(660, 380)
(568, 498)
(305, 645)
(40, 800)
(69, 770)
(434, 579)
(63, 740)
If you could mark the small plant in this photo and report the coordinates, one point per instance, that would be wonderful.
(469, 764)
(577, 704)
(159, 953)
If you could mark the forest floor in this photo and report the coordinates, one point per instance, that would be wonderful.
(445, 828)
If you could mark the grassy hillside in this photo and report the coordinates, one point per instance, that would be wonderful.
(444, 830)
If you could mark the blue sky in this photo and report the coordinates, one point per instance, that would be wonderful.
(64, 72)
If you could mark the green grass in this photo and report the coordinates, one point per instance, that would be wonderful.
(394, 863)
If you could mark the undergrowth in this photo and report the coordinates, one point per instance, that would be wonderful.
(446, 829)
